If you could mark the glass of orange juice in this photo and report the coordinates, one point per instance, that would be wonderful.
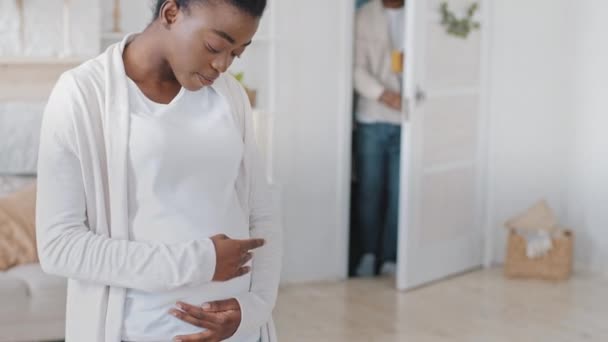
(397, 61)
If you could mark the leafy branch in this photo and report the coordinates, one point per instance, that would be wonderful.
(459, 27)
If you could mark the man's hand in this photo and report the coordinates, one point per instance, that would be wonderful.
(221, 319)
(232, 255)
(391, 99)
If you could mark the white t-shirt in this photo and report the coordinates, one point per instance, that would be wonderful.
(396, 22)
(184, 159)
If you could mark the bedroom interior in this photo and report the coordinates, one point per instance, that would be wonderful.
(536, 104)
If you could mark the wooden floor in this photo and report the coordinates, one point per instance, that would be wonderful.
(476, 307)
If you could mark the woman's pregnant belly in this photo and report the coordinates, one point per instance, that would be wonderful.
(147, 315)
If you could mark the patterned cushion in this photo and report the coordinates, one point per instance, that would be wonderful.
(17, 228)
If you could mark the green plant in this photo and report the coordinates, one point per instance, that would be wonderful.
(459, 27)
(240, 76)
(251, 93)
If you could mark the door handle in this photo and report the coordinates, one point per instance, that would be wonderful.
(420, 96)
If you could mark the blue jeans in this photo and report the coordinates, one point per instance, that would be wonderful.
(378, 155)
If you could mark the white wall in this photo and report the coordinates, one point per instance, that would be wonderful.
(530, 109)
(134, 14)
(313, 136)
(588, 188)
(548, 119)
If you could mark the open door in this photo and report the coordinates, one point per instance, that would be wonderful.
(440, 228)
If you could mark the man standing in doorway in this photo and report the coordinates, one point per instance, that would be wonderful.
(379, 46)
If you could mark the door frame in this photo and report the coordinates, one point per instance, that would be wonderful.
(346, 47)
(485, 107)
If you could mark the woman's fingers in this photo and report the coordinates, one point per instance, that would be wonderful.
(242, 271)
(199, 313)
(249, 244)
(207, 336)
(221, 319)
(246, 258)
(231, 255)
(198, 322)
(222, 305)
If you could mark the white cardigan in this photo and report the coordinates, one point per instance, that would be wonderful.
(82, 219)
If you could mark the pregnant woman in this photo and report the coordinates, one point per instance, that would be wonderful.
(151, 199)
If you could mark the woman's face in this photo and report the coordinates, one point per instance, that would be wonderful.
(205, 39)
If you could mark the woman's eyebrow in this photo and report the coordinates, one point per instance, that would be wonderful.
(228, 37)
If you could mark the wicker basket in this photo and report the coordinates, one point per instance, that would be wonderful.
(555, 265)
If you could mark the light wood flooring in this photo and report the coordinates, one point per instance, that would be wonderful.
(476, 307)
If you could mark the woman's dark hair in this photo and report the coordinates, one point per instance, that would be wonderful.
(254, 8)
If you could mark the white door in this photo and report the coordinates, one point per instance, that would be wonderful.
(440, 218)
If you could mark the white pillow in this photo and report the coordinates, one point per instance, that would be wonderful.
(11, 184)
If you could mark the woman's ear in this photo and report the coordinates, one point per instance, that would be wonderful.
(168, 13)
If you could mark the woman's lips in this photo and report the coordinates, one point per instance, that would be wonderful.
(204, 80)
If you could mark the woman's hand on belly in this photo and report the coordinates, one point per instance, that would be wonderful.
(221, 319)
(232, 255)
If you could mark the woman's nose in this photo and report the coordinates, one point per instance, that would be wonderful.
(220, 64)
